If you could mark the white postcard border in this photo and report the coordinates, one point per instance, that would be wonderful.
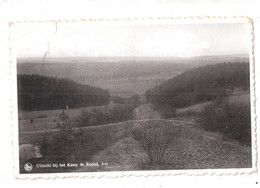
(119, 174)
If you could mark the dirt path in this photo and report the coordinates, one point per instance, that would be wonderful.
(145, 111)
(181, 122)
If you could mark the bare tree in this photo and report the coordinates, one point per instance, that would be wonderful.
(155, 138)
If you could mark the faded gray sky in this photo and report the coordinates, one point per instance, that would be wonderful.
(165, 40)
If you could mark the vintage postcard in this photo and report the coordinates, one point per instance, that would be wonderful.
(133, 97)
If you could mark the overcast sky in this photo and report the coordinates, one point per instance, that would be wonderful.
(86, 40)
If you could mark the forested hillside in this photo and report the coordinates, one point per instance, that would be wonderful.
(200, 84)
(45, 93)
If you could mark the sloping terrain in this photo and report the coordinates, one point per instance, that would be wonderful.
(200, 84)
(193, 148)
(126, 154)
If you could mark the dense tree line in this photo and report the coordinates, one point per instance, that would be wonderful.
(200, 84)
(37, 92)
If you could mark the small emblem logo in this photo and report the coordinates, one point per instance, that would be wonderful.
(28, 167)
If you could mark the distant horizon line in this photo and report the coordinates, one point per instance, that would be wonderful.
(129, 57)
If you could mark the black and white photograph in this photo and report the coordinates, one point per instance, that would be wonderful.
(106, 97)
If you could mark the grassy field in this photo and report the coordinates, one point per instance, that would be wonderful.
(41, 120)
(191, 110)
(239, 97)
(26, 115)
(47, 119)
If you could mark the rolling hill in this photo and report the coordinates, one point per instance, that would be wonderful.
(46, 93)
(200, 85)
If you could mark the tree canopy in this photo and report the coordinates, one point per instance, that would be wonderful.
(37, 92)
(200, 84)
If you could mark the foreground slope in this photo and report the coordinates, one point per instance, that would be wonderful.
(193, 148)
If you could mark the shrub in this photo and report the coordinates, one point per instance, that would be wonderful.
(233, 120)
(155, 138)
